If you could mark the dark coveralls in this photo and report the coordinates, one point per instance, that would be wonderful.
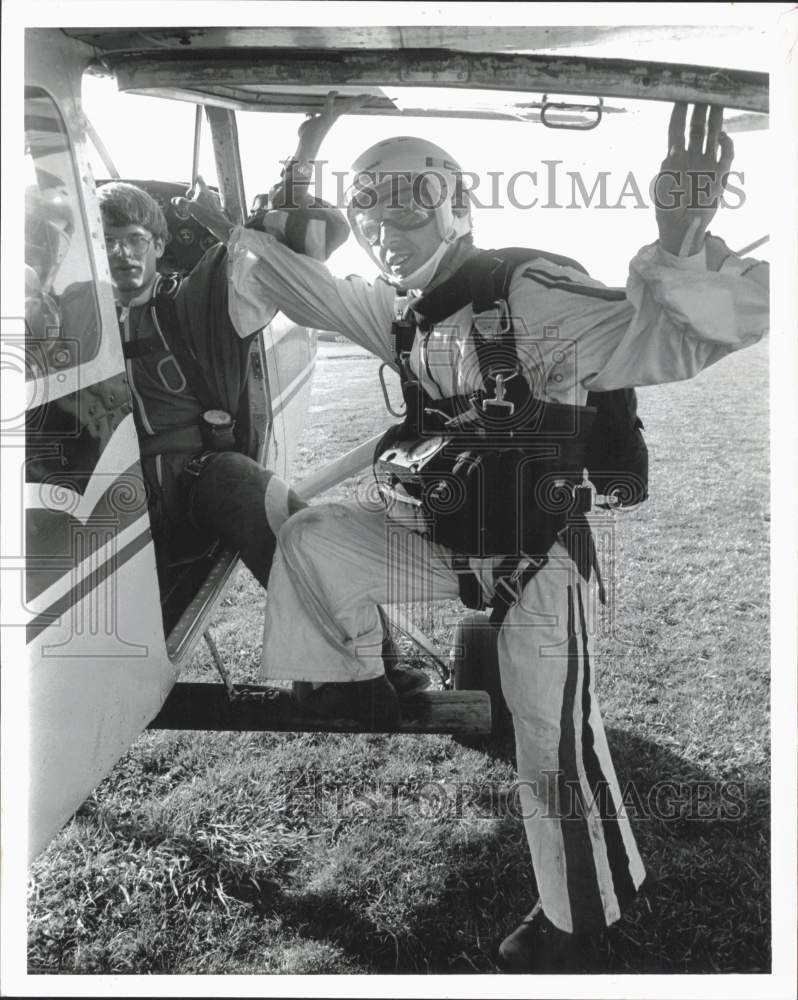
(224, 497)
(183, 356)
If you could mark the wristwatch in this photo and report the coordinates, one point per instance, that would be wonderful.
(217, 427)
(300, 171)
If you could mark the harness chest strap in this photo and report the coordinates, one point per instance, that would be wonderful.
(164, 312)
(488, 288)
(405, 328)
(484, 282)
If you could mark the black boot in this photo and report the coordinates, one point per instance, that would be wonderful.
(405, 679)
(375, 702)
(378, 703)
(536, 945)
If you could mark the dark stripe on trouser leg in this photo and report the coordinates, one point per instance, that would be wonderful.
(600, 788)
(587, 913)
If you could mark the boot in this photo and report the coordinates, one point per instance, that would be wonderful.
(536, 945)
(378, 703)
(374, 702)
(405, 679)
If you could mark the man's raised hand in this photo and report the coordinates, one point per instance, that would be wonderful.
(291, 192)
(691, 178)
(316, 126)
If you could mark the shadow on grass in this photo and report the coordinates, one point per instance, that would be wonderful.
(705, 907)
(447, 925)
(370, 890)
(705, 841)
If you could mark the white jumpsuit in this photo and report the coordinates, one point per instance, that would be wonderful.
(335, 562)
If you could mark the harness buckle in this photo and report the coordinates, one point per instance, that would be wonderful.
(494, 323)
(507, 590)
(498, 401)
(529, 562)
(515, 576)
(195, 466)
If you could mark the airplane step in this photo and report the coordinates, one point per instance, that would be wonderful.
(256, 708)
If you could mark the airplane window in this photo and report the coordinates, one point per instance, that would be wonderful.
(61, 315)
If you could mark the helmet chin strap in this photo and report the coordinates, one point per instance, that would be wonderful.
(424, 274)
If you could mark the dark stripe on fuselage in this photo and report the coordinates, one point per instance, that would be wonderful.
(86, 585)
(287, 399)
(52, 535)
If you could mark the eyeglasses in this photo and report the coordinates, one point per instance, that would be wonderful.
(136, 244)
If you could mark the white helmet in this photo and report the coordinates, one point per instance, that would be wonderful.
(437, 186)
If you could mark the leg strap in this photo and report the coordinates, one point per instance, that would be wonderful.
(513, 574)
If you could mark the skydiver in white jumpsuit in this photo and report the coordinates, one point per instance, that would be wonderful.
(689, 302)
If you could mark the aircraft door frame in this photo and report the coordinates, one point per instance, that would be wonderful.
(97, 667)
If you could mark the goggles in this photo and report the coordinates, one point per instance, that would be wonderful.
(369, 223)
(396, 200)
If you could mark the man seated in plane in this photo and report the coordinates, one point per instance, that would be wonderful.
(186, 341)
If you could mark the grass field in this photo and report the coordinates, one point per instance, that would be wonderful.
(306, 853)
